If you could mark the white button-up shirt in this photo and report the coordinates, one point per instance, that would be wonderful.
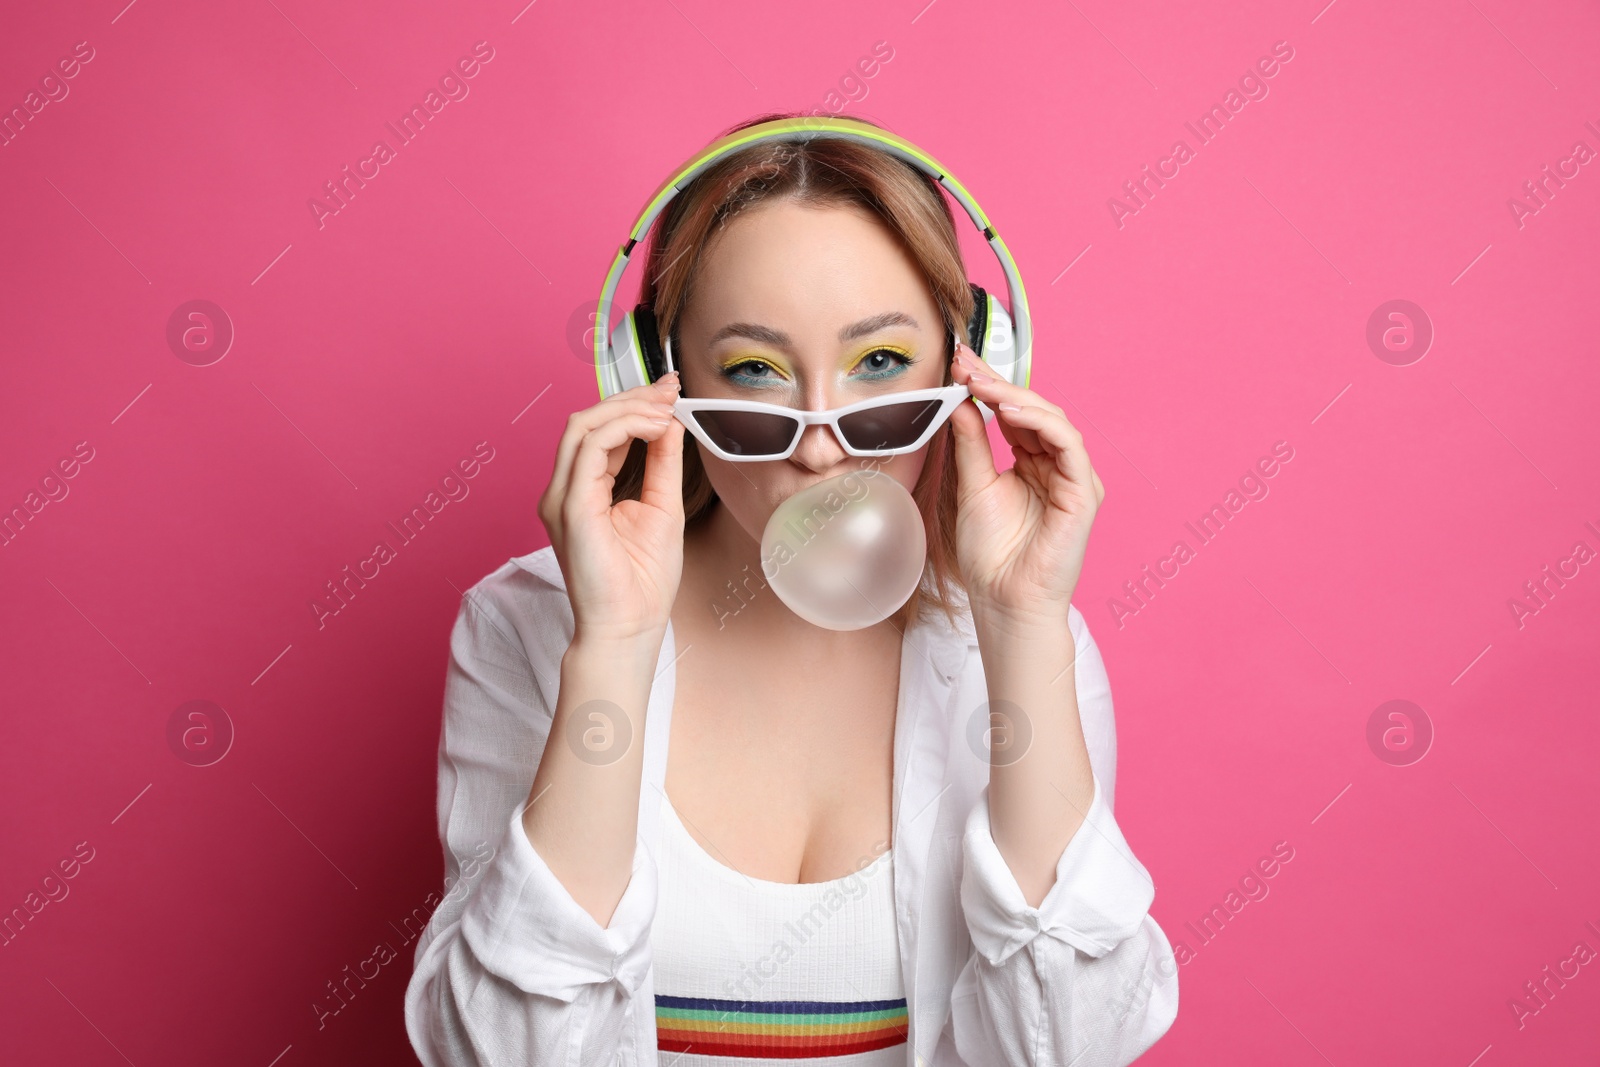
(512, 970)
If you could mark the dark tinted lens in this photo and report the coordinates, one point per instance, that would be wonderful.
(748, 433)
(889, 426)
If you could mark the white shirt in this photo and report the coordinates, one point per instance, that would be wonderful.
(745, 967)
(511, 970)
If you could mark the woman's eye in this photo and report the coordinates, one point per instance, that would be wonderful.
(881, 362)
(877, 364)
(750, 369)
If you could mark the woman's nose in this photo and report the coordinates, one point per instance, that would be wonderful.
(819, 449)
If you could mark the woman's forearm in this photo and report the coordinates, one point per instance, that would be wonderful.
(1038, 795)
(582, 814)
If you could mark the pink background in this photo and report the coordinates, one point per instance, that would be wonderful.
(376, 351)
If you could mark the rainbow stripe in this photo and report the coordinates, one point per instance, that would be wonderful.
(778, 1029)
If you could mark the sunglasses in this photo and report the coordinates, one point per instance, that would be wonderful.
(749, 431)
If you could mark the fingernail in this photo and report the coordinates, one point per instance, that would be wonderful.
(979, 377)
(1010, 407)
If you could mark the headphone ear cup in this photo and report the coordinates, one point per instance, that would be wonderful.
(993, 335)
(655, 360)
(977, 337)
(978, 324)
(628, 367)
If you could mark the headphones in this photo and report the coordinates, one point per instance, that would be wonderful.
(632, 355)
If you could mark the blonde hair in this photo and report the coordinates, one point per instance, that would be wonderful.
(824, 170)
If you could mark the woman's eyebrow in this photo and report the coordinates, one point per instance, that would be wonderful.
(778, 339)
(876, 323)
(753, 331)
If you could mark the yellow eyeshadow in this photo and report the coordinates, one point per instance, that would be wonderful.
(849, 362)
(736, 361)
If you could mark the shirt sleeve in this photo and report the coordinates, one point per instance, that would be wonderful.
(510, 968)
(1087, 978)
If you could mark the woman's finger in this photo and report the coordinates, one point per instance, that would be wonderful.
(1018, 437)
(963, 371)
(998, 388)
(594, 455)
(581, 422)
(974, 458)
(663, 471)
(1063, 441)
(645, 399)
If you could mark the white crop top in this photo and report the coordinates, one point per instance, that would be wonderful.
(749, 971)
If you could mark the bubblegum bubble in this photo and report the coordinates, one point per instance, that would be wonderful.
(846, 553)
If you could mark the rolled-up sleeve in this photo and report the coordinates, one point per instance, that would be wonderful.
(510, 968)
(1086, 978)
(522, 925)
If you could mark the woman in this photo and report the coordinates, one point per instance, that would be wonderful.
(891, 845)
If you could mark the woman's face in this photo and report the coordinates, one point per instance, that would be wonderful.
(808, 307)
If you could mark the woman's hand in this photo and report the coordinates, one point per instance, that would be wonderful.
(622, 563)
(1020, 535)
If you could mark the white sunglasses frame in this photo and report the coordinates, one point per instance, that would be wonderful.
(949, 396)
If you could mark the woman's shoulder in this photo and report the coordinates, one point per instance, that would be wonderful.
(541, 564)
(532, 578)
(524, 601)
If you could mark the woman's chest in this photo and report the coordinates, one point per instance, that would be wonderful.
(784, 777)
(747, 970)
